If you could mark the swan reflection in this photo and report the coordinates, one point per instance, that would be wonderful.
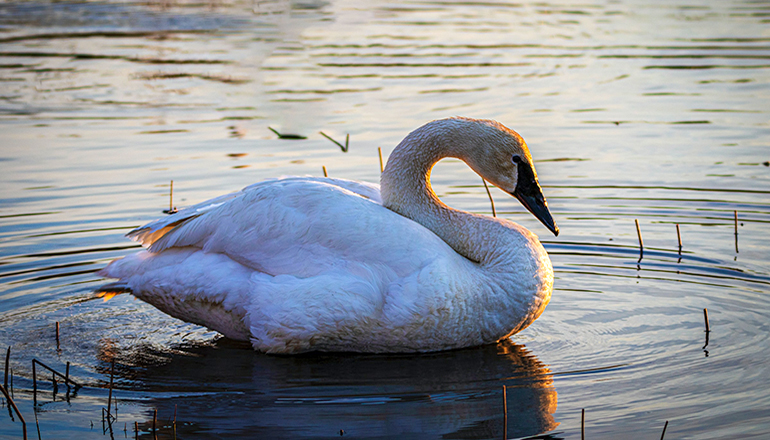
(227, 390)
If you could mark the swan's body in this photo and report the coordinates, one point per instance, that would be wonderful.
(304, 264)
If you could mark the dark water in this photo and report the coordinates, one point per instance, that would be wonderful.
(656, 111)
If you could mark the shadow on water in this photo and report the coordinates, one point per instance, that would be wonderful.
(227, 390)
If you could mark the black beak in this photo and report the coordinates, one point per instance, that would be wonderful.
(530, 195)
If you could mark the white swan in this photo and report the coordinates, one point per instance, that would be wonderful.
(303, 264)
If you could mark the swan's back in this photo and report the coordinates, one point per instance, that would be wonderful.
(148, 234)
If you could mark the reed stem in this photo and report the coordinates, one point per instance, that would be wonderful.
(706, 318)
(505, 413)
(7, 360)
(679, 238)
(382, 166)
(16, 409)
(735, 217)
(109, 398)
(489, 194)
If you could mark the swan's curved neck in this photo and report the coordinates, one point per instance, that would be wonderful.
(405, 188)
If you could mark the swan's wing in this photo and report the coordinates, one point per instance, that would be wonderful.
(302, 227)
(151, 232)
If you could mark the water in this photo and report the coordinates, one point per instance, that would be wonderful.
(649, 110)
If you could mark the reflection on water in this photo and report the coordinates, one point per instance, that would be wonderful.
(655, 111)
(228, 390)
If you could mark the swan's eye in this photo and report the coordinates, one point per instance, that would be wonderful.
(516, 159)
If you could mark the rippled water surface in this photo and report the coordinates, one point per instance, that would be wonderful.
(648, 110)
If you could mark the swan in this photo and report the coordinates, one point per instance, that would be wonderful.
(300, 264)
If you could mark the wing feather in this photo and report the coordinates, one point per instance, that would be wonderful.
(299, 226)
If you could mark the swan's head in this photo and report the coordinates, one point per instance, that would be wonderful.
(501, 156)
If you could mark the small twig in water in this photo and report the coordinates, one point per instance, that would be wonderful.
(379, 152)
(343, 147)
(491, 202)
(706, 318)
(325, 173)
(664, 430)
(57, 335)
(583, 425)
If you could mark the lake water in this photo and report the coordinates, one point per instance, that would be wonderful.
(648, 110)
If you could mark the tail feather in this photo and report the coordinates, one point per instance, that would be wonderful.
(109, 290)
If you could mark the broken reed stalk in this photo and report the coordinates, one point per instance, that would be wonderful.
(109, 397)
(583, 425)
(16, 409)
(57, 335)
(735, 217)
(379, 153)
(491, 202)
(679, 238)
(154, 420)
(505, 413)
(706, 318)
(136, 430)
(286, 135)
(664, 430)
(325, 173)
(344, 148)
(66, 378)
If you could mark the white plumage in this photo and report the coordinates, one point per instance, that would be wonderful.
(301, 264)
